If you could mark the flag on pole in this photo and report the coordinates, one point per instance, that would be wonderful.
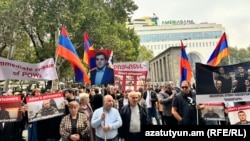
(87, 46)
(219, 52)
(67, 50)
(185, 67)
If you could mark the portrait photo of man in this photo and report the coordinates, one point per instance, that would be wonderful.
(243, 119)
(210, 113)
(4, 114)
(47, 109)
(102, 74)
(211, 117)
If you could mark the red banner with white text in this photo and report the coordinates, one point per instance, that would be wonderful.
(130, 75)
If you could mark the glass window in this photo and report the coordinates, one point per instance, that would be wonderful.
(178, 36)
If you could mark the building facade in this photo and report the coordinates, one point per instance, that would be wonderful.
(200, 40)
(165, 66)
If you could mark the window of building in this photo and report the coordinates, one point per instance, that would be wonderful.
(176, 36)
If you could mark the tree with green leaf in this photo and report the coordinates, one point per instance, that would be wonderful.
(236, 55)
(145, 54)
(32, 27)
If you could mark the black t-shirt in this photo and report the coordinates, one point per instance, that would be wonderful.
(157, 90)
(185, 104)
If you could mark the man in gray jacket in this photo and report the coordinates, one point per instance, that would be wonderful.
(165, 98)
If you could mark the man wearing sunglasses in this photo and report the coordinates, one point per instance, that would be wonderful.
(102, 74)
(184, 106)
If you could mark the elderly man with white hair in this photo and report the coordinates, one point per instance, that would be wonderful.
(134, 116)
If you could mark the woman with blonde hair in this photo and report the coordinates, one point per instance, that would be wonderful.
(86, 108)
(75, 125)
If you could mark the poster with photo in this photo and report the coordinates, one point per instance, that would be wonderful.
(239, 114)
(227, 84)
(101, 67)
(10, 108)
(118, 82)
(130, 75)
(45, 106)
(213, 112)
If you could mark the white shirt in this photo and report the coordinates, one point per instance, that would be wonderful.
(135, 124)
(125, 101)
(148, 99)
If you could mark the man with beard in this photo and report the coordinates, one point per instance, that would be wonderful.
(184, 107)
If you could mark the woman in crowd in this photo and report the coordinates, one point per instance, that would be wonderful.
(32, 129)
(86, 108)
(74, 126)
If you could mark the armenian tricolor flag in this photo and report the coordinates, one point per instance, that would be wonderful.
(66, 50)
(185, 67)
(219, 52)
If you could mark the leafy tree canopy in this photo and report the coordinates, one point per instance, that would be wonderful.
(32, 27)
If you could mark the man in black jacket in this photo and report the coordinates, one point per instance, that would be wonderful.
(97, 99)
(151, 98)
(9, 131)
(124, 99)
(134, 117)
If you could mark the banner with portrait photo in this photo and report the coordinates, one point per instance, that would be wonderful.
(222, 83)
(213, 113)
(45, 106)
(101, 67)
(239, 114)
(130, 75)
(10, 108)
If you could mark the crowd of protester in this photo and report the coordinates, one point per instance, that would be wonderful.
(103, 113)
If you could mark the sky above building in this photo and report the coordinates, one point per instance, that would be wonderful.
(233, 15)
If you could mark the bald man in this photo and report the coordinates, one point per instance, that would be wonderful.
(211, 118)
(47, 109)
(106, 120)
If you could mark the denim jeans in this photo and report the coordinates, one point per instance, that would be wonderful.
(32, 131)
(152, 112)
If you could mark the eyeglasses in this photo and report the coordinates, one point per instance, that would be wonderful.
(184, 87)
(97, 59)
